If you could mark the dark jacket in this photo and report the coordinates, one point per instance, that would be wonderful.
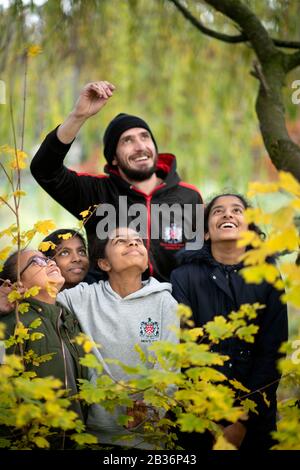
(211, 289)
(77, 192)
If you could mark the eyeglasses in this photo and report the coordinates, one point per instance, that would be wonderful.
(41, 261)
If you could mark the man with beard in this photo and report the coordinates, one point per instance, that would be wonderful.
(134, 170)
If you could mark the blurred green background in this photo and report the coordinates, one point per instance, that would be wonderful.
(195, 92)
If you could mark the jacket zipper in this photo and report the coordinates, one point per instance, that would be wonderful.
(148, 198)
(72, 346)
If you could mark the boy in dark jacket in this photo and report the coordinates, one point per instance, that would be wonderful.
(136, 175)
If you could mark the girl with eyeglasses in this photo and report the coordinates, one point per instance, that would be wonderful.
(59, 326)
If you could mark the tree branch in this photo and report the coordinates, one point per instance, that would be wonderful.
(209, 32)
(270, 69)
(292, 61)
(225, 37)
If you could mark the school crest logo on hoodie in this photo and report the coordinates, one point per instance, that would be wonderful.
(149, 330)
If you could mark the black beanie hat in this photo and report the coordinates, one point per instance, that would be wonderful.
(121, 123)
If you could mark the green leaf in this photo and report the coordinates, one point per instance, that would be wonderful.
(84, 438)
(4, 442)
(189, 422)
(89, 360)
(246, 332)
(37, 322)
(36, 336)
(41, 442)
(23, 307)
(219, 328)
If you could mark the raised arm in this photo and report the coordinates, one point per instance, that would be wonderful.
(72, 191)
(92, 98)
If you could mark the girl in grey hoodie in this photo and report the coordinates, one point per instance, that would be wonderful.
(118, 313)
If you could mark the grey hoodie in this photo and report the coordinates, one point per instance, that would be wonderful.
(117, 324)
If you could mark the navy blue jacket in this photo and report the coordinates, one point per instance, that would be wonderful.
(211, 289)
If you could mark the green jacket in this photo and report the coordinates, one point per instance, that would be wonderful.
(59, 327)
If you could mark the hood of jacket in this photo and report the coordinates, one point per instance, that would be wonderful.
(150, 286)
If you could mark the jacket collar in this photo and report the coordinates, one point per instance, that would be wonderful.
(202, 256)
(165, 169)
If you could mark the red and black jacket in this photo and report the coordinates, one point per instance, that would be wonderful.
(76, 192)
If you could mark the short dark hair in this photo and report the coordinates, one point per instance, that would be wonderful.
(54, 238)
(246, 205)
(9, 271)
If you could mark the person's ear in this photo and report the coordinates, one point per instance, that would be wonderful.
(114, 162)
(206, 236)
(104, 264)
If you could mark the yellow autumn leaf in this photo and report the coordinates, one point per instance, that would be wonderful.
(3, 199)
(45, 246)
(18, 160)
(7, 149)
(222, 444)
(26, 413)
(267, 402)
(13, 296)
(256, 187)
(9, 231)
(292, 296)
(85, 213)
(34, 50)
(21, 331)
(19, 193)
(5, 252)
(295, 203)
(65, 236)
(44, 226)
(249, 238)
(256, 215)
(257, 274)
(285, 240)
(291, 270)
(255, 256)
(238, 385)
(32, 292)
(23, 307)
(289, 183)
(41, 442)
(282, 218)
(28, 236)
(279, 284)
(52, 288)
(86, 342)
(36, 336)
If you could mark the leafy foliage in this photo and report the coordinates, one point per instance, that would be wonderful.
(283, 238)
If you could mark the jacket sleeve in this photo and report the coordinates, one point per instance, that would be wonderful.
(74, 192)
(180, 290)
(272, 333)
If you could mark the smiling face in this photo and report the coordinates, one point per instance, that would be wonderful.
(136, 154)
(36, 275)
(71, 257)
(125, 251)
(226, 219)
